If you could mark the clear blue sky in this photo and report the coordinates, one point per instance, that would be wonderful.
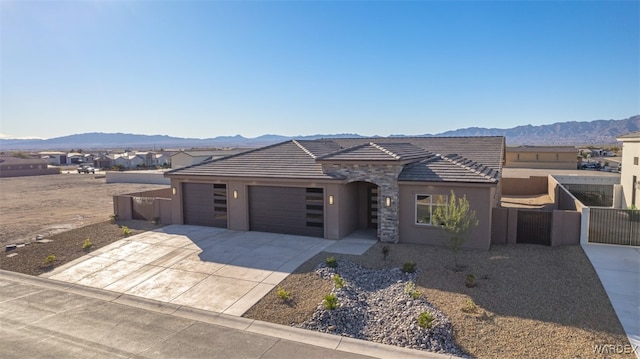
(204, 69)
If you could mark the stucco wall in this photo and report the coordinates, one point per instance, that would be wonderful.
(542, 160)
(629, 151)
(150, 177)
(28, 172)
(480, 200)
(533, 185)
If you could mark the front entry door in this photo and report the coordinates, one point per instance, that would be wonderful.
(372, 206)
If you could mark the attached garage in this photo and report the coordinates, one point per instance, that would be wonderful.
(289, 210)
(204, 204)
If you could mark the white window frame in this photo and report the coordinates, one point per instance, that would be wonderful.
(433, 200)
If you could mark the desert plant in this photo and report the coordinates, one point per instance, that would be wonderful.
(331, 262)
(470, 280)
(126, 231)
(470, 307)
(113, 218)
(330, 301)
(456, 218)
(409, 267)
(385, 251)
(410, 289)
(425, 319)
(49, 260)
(338, 281)
(87, 244)
(283, 294)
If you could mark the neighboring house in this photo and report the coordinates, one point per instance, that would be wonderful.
(551, 157)
(331, 188)
(16, 167)
(128, 160)
(102, 161)
(630, 177)
(55, 158)
(189, 158)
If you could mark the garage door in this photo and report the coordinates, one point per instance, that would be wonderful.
(290, 210)
(204, 204)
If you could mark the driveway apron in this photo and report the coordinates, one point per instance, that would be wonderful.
(213, 269)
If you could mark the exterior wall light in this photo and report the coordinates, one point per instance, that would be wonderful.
(331, 199)
(388, 202)
(173, 190)
(235, 194)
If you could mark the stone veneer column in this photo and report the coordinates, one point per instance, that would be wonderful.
(386, 178)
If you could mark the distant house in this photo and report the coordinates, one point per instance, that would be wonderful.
(630, 177)
(55, 158)
(189, 158)
(102, 161)
(129, 160)
(551, 157)
(17, 167)
(332, 188)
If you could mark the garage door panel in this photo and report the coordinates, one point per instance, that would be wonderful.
(204, 204)
(285, 210)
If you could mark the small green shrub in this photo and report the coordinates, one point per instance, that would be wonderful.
(283, 294)
(126, 231)
(409, 267)
(410, 288)
(87, 244)
(330, 301)
(470, 281)
(338, 281)
(470, 307)
(425, 319)
(113, 218)
(331, 262)
(49, 260)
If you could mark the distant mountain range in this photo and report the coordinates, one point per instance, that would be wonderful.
(600, 132)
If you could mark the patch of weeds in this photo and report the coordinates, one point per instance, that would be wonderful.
(410, 288)
(126, 231)
(330, 301)
(470, 281)
(425, 320)
(470, 307)
(113, 218)
(338, 281)
(49, 260)
(283, 294)
(331, 262)
(385, 251)
(409, 267)
(87, 244)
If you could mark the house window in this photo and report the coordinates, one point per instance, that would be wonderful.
(518, 157)
(426, 205)
(635, 161)
(537, 157)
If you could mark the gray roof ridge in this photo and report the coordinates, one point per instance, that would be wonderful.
(228, 157)
(381, 148)
(304, 149)
(342, 150)
(462, 164)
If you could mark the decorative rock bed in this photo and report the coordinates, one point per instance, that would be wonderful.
(374, 305)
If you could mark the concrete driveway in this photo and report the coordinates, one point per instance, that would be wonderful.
(213, 269)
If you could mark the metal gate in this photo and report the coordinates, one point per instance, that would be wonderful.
(534, 227)
(614, 226)
(142, 208)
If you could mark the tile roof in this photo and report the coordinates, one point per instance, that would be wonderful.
(449, 169)
(283, 160)
(455, 159)
(374, 152)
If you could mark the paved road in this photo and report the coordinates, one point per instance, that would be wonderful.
(44, 318)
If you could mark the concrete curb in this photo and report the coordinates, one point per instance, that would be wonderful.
(283, 332)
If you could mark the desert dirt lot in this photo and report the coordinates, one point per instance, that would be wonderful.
(46, 205)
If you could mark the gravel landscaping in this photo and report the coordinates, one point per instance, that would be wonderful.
(529, 301)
